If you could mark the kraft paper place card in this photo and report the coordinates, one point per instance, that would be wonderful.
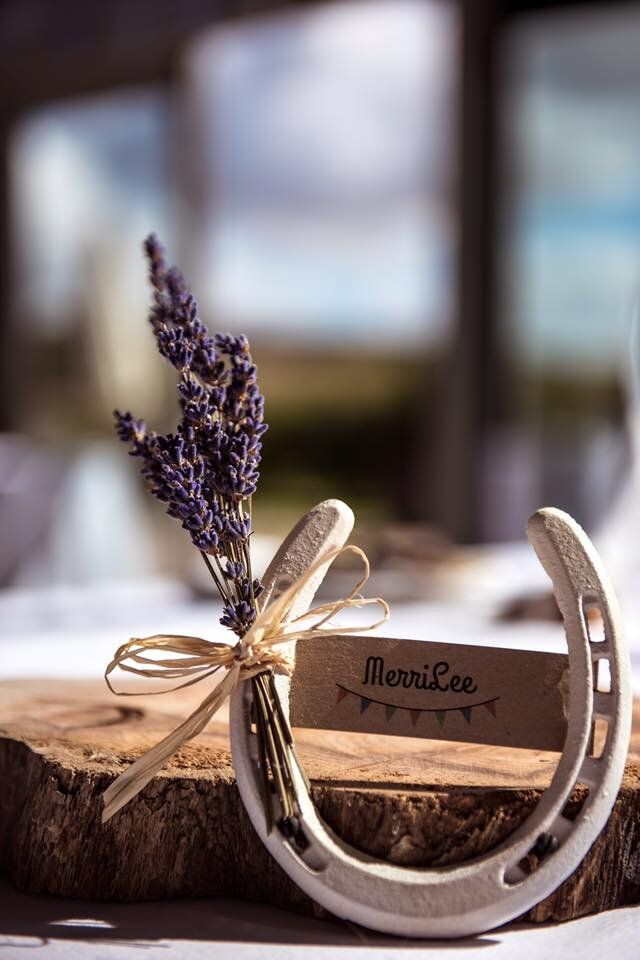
(439, 691)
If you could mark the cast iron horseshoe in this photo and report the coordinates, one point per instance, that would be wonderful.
(486, 892)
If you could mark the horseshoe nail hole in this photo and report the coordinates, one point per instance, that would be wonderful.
(594, 621)
(598, 737)
(603, 675)
(291, 830)
(575, 803)
(308, 856)
(515, 874)
(544, 847)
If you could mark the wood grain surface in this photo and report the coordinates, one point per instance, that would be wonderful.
(409, 801)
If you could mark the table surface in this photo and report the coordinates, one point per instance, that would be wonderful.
(72, 631)
(194, 929)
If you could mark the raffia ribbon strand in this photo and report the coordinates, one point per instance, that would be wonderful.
(263, 647)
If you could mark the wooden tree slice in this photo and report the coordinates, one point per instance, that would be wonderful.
(412, 802)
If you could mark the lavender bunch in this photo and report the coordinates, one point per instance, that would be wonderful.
(207, 471)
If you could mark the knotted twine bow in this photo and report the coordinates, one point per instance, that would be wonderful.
(261, 648)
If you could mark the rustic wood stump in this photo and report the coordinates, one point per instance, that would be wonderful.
(412, 802)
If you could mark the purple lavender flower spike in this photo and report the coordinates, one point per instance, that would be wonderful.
(128, 429)
(207, 470)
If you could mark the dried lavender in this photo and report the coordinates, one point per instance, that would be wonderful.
(206, 473)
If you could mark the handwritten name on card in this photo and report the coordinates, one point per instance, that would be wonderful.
(438, 691)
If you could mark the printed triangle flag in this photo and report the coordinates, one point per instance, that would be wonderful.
(466, 713)
(491, 707)
(415, 716)
(341, 694)
(389, 712)
(440, 715)
(364, 704)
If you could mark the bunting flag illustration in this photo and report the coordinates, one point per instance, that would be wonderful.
(390, 709)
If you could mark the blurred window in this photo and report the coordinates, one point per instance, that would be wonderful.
(321, 197)
(572, 157)
(89, 179)
(318, 183)
(569, 248)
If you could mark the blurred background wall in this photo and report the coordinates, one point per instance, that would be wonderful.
(424, 213)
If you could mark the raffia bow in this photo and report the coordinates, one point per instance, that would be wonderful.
(263, 647)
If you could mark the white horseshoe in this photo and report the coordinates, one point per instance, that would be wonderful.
(484, 893)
